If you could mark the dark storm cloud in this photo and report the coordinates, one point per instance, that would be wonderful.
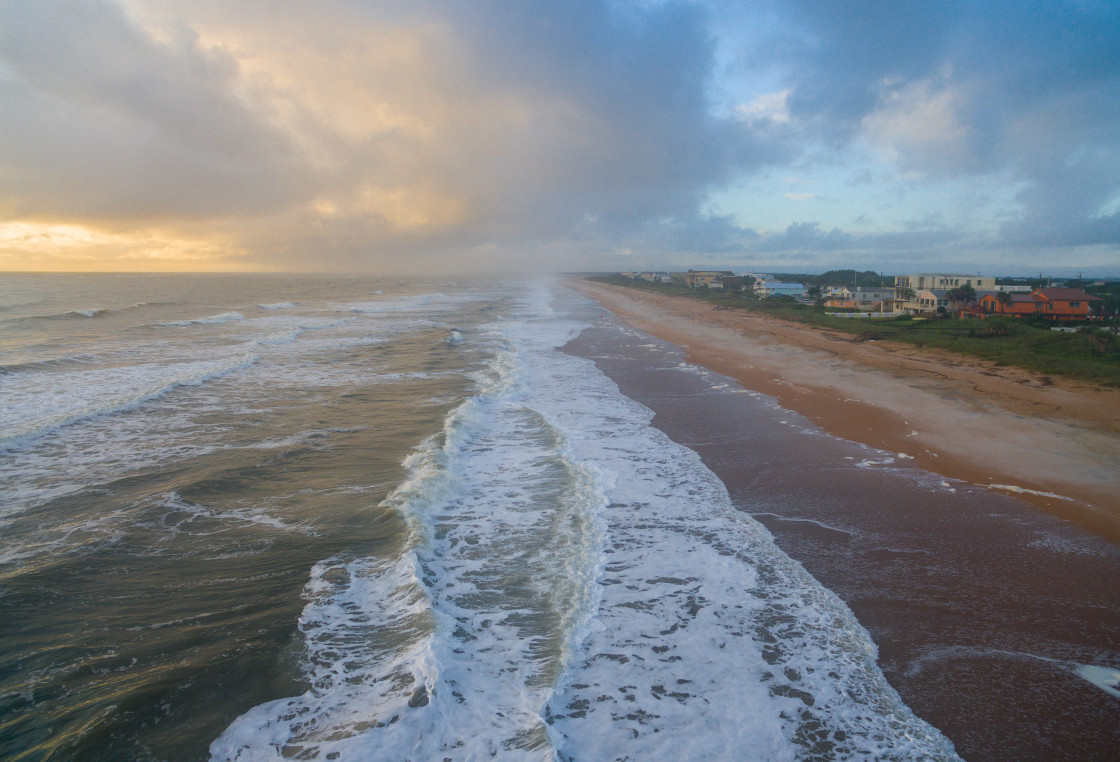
(802, 237)
(639, 80)
(839, 54)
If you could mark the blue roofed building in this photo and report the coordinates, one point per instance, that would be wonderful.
(768, 288)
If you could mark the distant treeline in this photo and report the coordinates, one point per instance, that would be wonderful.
(866, 278)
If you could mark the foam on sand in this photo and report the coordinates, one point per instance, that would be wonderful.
(1016, 490)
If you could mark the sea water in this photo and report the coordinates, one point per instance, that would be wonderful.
(322, 518)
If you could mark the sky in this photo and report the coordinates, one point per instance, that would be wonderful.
(432, 136)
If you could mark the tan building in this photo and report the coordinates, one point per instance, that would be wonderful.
(945, 281)
(706, 278)
(926, 283)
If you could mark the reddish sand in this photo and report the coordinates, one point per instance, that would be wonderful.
(1055, 443)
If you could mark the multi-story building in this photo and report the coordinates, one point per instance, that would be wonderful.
(908, 288)
(946, 281)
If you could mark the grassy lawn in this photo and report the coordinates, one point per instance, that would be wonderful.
(1015, 342)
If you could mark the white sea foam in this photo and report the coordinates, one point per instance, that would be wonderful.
(399, 304)
(162, 517)
(872, 462)
(33, 409)
(1105, 678)
(219, 319)
(1017, 490)
(577, 586)
(286, 336)
(277, 306)
(181, 516)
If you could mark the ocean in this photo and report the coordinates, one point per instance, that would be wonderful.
(319, 517)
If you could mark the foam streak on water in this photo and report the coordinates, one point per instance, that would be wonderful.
(575, 586)
(100, 392)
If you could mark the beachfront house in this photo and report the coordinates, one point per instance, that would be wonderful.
(704, 278)
(914, 292)
(862, 298)
(768, 288)
(864, 294)
(727, 283)
(1049, 303)
(929, 299)
(938, 299)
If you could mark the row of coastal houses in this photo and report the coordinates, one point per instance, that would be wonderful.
(916, 294)
(980, 296)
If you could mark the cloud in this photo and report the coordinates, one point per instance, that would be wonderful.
(809, 238)
(363, 130)
(765, 110)
(919, 125)
(431, 134)
(968, 89)
(103, 122)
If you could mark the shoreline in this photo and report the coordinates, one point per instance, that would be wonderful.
(984, 610)
(1055, 444)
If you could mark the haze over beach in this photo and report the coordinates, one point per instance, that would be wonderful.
(311, 446)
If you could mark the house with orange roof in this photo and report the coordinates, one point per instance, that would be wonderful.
(1049, 303)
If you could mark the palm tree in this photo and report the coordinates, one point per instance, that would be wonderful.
(963, 295)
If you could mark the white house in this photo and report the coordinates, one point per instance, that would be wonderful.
(768, 288)
(865, 294)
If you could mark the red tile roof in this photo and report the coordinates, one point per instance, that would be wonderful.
(1067, 294)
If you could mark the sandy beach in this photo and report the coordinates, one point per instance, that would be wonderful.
(1053, 442)
(996, 622)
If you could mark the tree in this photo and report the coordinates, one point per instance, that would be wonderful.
(963, 295)
(1004, 299)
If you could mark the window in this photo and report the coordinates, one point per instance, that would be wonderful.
(1074, 305)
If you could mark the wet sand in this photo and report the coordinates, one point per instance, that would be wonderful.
(984, 608)
(1052, 442)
